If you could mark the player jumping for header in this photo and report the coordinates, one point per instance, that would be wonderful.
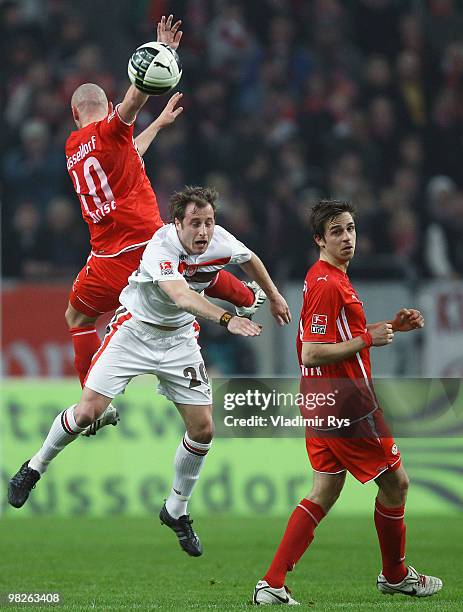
(154, 333)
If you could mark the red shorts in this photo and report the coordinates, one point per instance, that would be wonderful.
(365, 457)
(98, 285)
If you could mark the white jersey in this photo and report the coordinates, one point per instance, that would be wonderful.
(165, 259)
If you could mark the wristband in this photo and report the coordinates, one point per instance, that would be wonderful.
(367, 338)
(225, 319)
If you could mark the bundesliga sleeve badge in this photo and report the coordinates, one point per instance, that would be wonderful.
(319, 324)
(166, 268)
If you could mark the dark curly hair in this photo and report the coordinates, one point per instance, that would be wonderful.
(200, 196)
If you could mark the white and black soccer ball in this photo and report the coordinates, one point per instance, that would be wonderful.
(154, 68)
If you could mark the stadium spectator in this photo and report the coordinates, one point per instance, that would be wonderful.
(24, 238)
(65, 240)
(443, 250)
(34, 169)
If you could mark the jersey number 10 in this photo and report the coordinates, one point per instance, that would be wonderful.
(91, 163)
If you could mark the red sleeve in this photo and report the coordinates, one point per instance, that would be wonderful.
(112, 128)
(322, 305)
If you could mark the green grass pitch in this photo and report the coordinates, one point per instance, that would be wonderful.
(136, 564)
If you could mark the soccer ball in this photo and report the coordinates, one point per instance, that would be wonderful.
(154, 68)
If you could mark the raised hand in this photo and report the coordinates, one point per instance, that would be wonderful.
(408, 319)
(169, 114)
(169, 34)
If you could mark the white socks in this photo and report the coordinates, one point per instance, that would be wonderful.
(63, 431)
(188, 462)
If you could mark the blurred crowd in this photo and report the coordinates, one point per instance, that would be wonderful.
(286, 101)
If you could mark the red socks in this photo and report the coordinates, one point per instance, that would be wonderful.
(229, 288)
(390, 527)
(299, 534)
(86, 343)
(297, 538)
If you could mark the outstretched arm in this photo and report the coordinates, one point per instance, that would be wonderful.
(167, 116)
(130, 106)
(256, 270)
(197, 305)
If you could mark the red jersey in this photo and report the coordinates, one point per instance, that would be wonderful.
(108, 174)
(332, 312)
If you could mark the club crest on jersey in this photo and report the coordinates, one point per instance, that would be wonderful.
(166, 268)
(190, 271)
(319, 323)
(186, 270)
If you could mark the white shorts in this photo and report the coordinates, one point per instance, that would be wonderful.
(131, 348)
